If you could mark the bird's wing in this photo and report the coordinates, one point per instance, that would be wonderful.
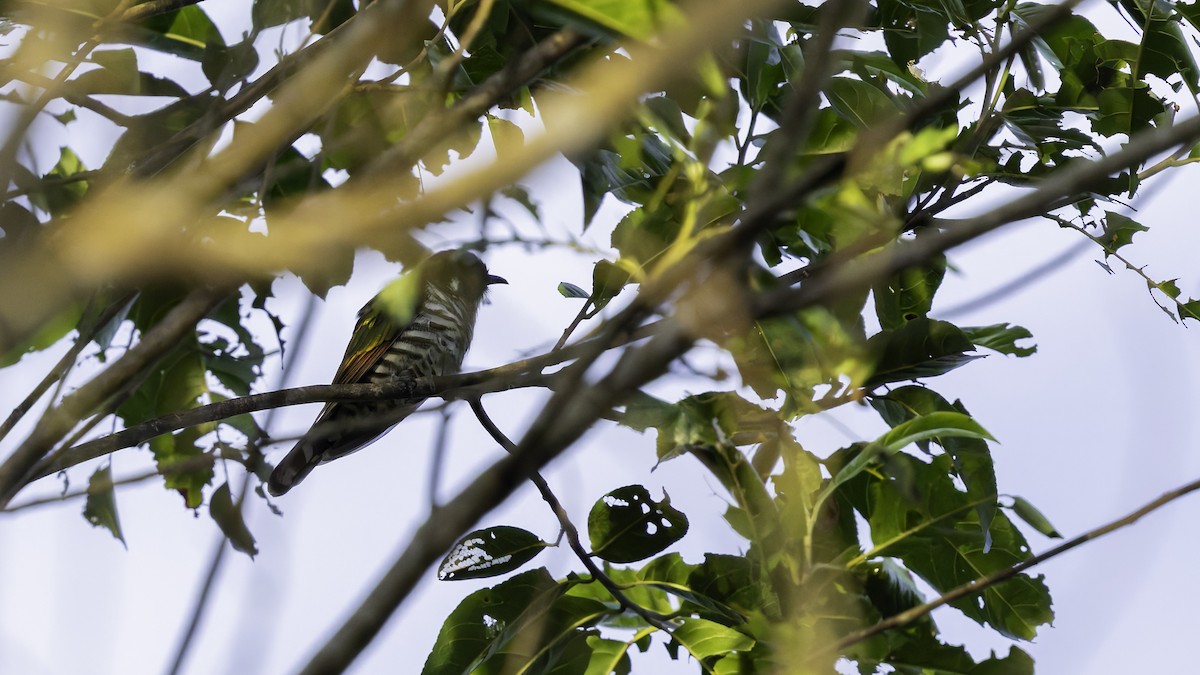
(373, 335)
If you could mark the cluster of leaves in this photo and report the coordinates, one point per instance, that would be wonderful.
(686, 164)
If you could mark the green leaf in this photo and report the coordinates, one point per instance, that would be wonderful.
(568, 290)
(908, 294)
(507, 137)
(935, 424)
(100, 509)
(704, 639)
(1118, 231)
(1001, 337)
(935, 533)
(726, 587)
(1034, 518)
(608, 656)
(48, 334)
(60, 197)
(629, 18)
(972, 458)
(517, 622)
(919, 348)
(228, 517)
(607, 281)
(862, 104)
(184, 32)
(932, 425)
(627, 525)
(490, 552)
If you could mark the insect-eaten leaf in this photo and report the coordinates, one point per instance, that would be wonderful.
(627, 525)
(229, 518)
(1001, 337)
(101, 507)
(568, 290)
(490, 552)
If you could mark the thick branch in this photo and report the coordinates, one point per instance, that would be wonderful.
(151, 8)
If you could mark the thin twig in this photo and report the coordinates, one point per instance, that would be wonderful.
(210, 577)
(182, 466)
(204, 594)
(64, 364)
(568, 528)
(973, 587)
(18, 468)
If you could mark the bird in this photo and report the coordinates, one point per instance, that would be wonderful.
(420, 325)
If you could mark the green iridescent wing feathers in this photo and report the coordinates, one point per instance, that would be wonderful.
(379, 324)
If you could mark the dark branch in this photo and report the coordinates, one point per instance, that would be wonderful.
(420, 388)
(153, 8)
(973, 587)
(568, 528)
(17, 470)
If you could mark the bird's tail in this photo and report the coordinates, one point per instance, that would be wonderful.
(294, 467)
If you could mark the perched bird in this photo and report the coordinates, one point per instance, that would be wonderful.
(418, 326)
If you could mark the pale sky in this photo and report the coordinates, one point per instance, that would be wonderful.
(1098, 422)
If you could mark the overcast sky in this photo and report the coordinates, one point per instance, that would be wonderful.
(1099, 421)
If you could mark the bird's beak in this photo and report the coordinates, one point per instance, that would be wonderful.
(493, 279)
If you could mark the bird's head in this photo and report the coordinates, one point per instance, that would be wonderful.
(460, 273)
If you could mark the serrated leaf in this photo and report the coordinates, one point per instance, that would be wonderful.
(1118, 231)
(490, 552)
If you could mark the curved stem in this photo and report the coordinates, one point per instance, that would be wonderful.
(568, 528)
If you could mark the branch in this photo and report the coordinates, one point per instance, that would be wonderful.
(64, 364)
(568, 528)
(853, 275)
(180, 467)
(151, 8)
(204, 594)
(16, 471)
(973, 587)
(413, 388)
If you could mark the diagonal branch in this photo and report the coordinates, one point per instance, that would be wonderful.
(568, 528)
(16, 471)
(973, 587)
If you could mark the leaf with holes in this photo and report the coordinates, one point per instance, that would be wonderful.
(627, 525)
(490, 552)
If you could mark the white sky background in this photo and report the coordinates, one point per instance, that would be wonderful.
(1098, 422)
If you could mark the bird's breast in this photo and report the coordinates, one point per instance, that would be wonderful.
(433, 344)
